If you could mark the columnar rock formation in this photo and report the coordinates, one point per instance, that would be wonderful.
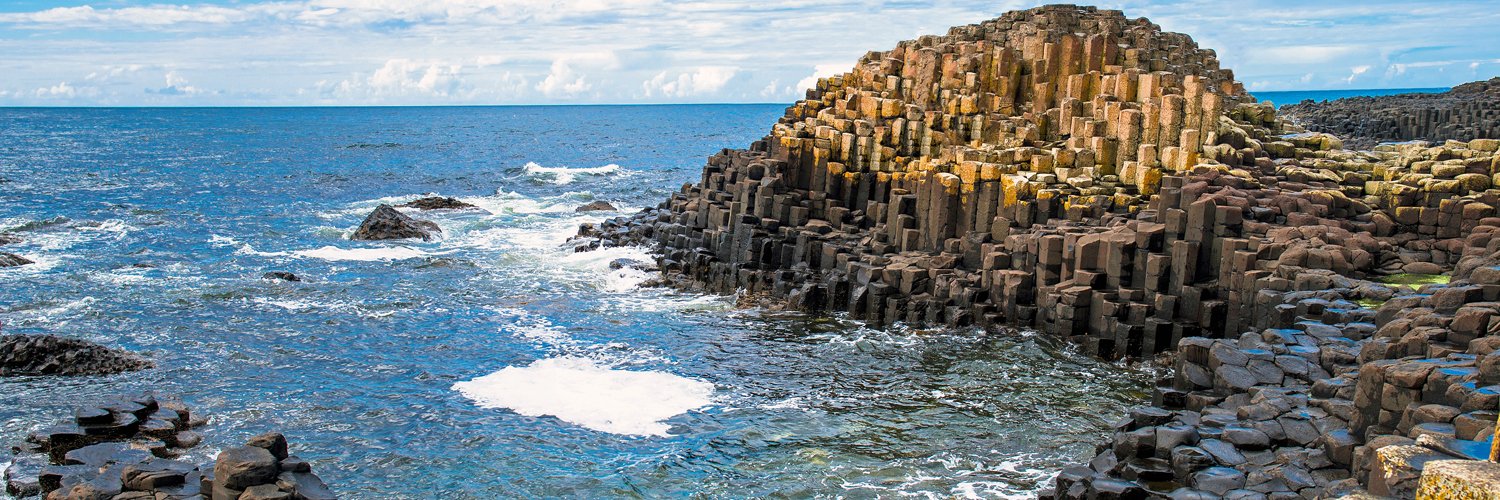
(1469, 111)
(1085, 174)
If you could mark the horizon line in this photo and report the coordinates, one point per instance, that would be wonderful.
(537, 105)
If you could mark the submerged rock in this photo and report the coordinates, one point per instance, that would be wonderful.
(12, 260)
(596, 206)
(52, 355)
(281, 275)
(438, 203)
(387, 223)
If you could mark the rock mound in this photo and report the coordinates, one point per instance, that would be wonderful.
(1464, 113)
(22, 355)
(1088, 175)
(438, 203)
(387, 223)
(596, 206)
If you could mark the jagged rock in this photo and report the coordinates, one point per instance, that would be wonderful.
(438, 203)
(22, 355)
(8, 259)
(596, 206)
(387, 223)
(281, 275)
(8, 239)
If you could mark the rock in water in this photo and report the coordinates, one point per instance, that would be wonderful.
(438, 203)
(596, 206)
(52, 355)
(281, 275)
(387, 223)
(12, 260)
(7, 238)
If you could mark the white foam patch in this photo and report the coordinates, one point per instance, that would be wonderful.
(578, 391)
(333, 253)
(566, 175)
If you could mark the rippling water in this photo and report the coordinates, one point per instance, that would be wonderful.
(404, 369)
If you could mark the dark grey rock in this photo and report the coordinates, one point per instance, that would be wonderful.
(8, 259)
(281, 275)
(596, 206)
(438, 203)
(22, 355)
(1218, 480)
(273, 442)
(387, 223)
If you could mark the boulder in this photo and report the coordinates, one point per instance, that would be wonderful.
(273, 442)
(596, 206)
(387, 223)
(241, 467)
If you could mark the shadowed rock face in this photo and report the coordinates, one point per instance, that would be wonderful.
(51, 355)
(1087, 175)
(1467, 112)
(387, 223)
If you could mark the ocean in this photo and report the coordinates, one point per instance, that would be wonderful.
(493, 361)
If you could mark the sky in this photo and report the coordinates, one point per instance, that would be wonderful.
(465, 52)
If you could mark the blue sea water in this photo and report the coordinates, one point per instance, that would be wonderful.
(491, 362)
(1286, 97)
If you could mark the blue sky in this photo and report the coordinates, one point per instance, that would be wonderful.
(353, 52)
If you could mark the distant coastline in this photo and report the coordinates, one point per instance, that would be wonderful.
(1284, 97)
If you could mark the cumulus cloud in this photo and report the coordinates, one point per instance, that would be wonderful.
(702, 81)
(399, 79)
(530, 51)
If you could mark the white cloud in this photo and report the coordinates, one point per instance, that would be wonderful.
(1355, 72)
(702, 81)
(822, 71)
(563, 82)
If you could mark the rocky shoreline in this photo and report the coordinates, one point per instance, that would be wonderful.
(130, 448)
(1463, 113)
(1088, 175)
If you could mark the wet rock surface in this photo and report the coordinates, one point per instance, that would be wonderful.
(387, 223)
(131, 448)
(439, 203)
(1087, 175)
(1464, 113)
(281, 275)
(8, 259)
(24, 355)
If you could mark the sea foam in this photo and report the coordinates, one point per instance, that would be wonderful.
(579, 391)
(566, 175)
